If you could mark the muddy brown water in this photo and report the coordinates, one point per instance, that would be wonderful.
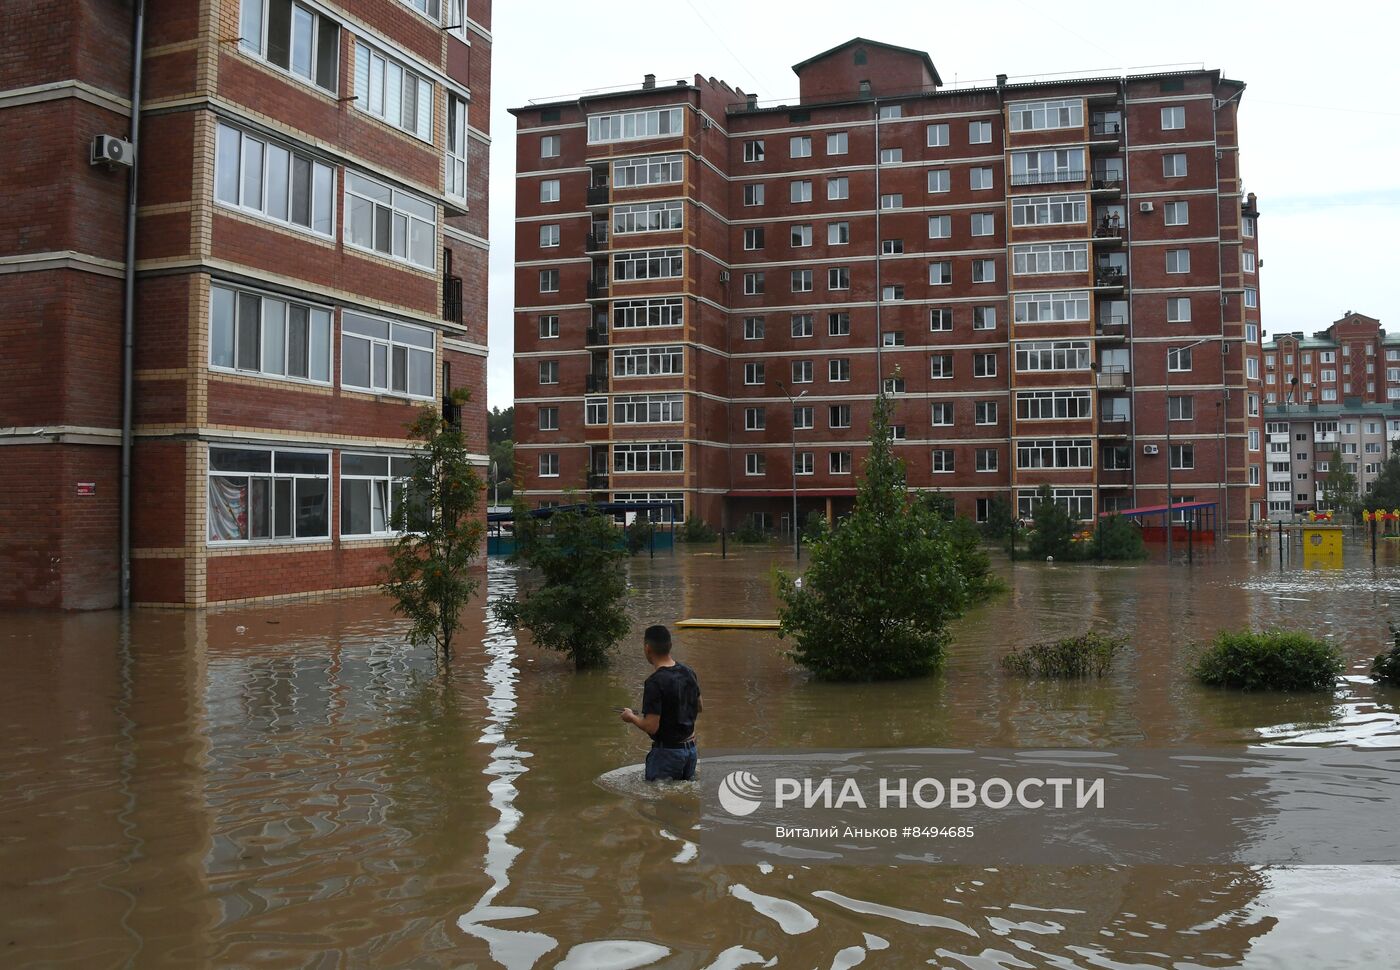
(290, 787)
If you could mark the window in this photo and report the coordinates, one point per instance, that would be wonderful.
(940, 227)
(986, 459)
(390, 222)
(937, 136)
(658, 457)
(549, 326)
(293, 37)
(1173, 118)
(838, 278)
(549, 372)
(1174, 165)
(943, 414)
(802, 372)
(264, 335)
(800, 236)
(1178, 260)
(1034, 355)
(892, 247)
(1251, 368)
(648, 264)
(1054, 453)
(1053, 405)
(753, 238)
(455, 154)
(1048, 210)
(838, 416)
(631, 125)
(981, 178)
(274, 182)
(893, 385)
(943, 461)
(839, 462)
(1175, 213)
(1047, 165)
(800, 190)
(1179, 360)
(984, 223)
(892, 338)
(1181, 408)
(753, 151)
(804, 417)
(1117, 458)
(1048, 307)
(890, 111)
(1043, 115)
(649, 170)
(940, 319)
(893, 200)
(1044, 258)
(804, 465)
(940, 273)
(648, 361)
(263, 494)
(986, 412)
(938, 180)
(549, 418)
(984, 271)
(753, 328)
(979, 133)
(549, 146)
(753, 373)
(392, 92)
(1253, 439)
(646, 217)
(838, 324)
(801, 325)
(838, 188)
(387, 357)
(838, 233)
(753, 195)
(549, 281)
(755, 419)
(891, 156)
(755, 463)
(838, 370)
(984, 365)
(941, 366)
(837, 143)
(549, 236)
(1183, 456)
(1251, 297)
(1178, 309)
(373, 491)
(649, 409)
(800, 146)
(660, 312)
(549, 190)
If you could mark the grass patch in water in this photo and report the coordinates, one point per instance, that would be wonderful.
(1385, 669)
(1285, 660)
(1088, 655)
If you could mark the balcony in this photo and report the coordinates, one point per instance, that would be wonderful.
(1106, 131)
(595, 383)
(1109, 277)
(597, 240)
(598, 195)
(1108, 182)
(1113, 325)
(452, 310)
(1047, 178)
(1114, 378)
(597, 289)
(1108, 232)
(597, 481)
(595, 336)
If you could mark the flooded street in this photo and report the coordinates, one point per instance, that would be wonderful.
(291, 787)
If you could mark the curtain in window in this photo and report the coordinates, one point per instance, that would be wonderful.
(228, 508)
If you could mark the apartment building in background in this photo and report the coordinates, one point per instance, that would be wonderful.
(310, 271)
(711, 290)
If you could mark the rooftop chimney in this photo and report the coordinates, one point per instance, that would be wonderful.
(753, 102)
(648, 82)
(1001, 81)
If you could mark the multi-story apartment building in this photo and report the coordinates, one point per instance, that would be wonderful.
(310, 269)
(1304, 440)
(1352, 359)
(711, 291)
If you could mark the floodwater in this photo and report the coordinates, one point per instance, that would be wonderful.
(291, 787)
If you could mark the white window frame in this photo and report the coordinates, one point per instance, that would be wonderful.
(375, 72)
(232, 148)
(239, 301)
(258, 10)
(455, 152)
(389, 488)
(271, 490)
(396, 337)
(373, 193)
(604, 129)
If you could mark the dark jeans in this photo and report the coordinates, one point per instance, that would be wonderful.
(671, 764)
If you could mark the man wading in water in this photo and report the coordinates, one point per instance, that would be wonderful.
(670, 704)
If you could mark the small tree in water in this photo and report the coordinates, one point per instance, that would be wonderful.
(577, 607)
(440, 533)
(879, 591)
(1054, 529)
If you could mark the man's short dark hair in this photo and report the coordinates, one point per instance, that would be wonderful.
(659, 639)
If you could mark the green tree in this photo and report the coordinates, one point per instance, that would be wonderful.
(1339, 487)
(638, 533)
(879, 592)
(696, 529)
(429, 570)
(1384, 492)
(999, 519)
(576, 604)
(500, 424)
(1117, 538)
(1052, 528)
(502, 483)
(815, 528)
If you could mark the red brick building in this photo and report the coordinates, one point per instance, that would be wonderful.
(310, 269)
(1352, 359)
(1014, 262)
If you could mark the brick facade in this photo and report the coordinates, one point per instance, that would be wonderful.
(61, 251)
(870, 184)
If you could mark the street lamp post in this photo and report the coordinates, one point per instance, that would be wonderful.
(796, 536)
(1168, 394)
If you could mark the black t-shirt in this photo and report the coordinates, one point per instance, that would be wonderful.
(674, 693)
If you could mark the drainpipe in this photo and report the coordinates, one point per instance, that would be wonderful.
(129, 303)
(879, 248)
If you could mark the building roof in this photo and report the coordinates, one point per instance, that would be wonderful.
(928, 61)
(1330, 411)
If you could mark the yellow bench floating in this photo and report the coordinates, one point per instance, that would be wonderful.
(699, 623)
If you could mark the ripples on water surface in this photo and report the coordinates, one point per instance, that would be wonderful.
(290, 788)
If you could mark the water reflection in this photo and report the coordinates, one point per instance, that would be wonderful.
(291, 787)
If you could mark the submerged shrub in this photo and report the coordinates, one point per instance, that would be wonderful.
(696, 529)
(750, 532)
(638, 534)
(816, 527)
(1273, 660)
(1088, 655)
(1118, 538)
(1386, 667)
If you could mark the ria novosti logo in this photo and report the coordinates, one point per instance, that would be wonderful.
(740, 793)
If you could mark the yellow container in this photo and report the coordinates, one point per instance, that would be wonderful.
(1322, 546)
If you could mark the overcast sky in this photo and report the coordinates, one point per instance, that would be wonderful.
(1320, 122)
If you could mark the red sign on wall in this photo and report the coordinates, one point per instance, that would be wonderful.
(87, 488)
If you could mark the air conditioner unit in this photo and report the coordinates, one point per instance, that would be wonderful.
(110, 150)
(1145, 207)
(724, 276)
(1149, 449)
